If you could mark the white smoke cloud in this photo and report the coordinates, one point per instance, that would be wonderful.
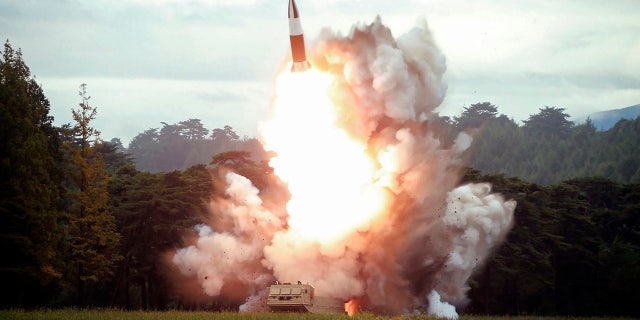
(417, 255)
(231, 253)
(441, 309)
(475, 221)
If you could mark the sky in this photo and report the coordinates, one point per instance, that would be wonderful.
(152, 61)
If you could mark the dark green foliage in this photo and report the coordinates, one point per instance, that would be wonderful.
(606, 249)
(549, 148)
(153, 212)
(507, 285)
(30, 186)
(573, 250)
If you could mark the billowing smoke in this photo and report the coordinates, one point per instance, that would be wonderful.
(419, 252)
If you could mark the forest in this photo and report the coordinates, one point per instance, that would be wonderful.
(85, 222)
(548, 148)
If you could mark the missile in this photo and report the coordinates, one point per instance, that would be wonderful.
(296, 37)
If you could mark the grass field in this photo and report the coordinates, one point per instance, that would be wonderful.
(91, 314)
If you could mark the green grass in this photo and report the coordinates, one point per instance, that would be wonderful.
(91, 314)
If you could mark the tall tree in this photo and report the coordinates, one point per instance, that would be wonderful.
(550, 121)
(30, 185)
(476, 115)
(91, 230)
(193, 129)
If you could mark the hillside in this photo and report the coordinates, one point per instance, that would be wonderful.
(605, 120)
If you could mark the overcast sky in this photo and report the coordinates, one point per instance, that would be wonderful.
(147, 61)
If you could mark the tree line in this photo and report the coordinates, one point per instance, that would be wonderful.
(84, 223)
(184, 144)
(548, 148)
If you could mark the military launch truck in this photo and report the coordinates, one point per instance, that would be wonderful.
(287, 297)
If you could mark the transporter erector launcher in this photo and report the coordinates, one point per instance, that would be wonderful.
(287, 297)
(296, 37)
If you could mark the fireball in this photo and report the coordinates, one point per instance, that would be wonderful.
(330, 173)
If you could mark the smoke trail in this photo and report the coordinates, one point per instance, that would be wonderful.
(417, 255)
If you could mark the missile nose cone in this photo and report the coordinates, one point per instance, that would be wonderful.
(293, 10)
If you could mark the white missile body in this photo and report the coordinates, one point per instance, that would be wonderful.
(296, 37)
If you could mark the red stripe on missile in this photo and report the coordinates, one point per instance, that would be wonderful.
(296, 38)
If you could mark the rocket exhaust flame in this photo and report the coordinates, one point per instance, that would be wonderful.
(375, 217)
(346, 205)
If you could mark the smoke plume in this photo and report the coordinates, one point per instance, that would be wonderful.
(417, 254)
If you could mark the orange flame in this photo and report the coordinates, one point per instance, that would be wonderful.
(351, 307)
(330, 173)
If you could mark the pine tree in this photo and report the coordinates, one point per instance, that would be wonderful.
(30, 185)
(91, 230)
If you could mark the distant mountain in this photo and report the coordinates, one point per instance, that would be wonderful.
(604, 120)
